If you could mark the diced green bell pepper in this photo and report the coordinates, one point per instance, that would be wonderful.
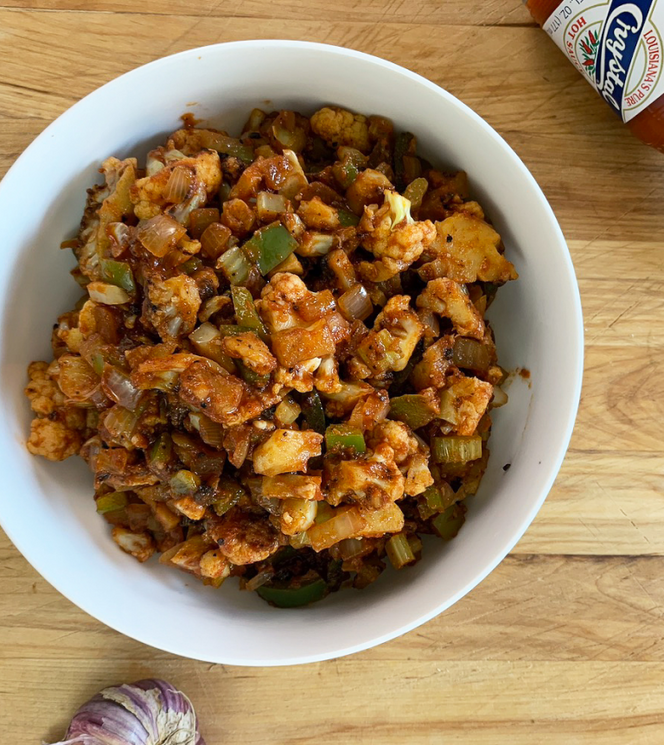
(314, 413)
(269, 246)
(288, 597)
(347, 218)
(118, 273)
(116, 500)
(246, 313)
(413, 409)
(345, 436)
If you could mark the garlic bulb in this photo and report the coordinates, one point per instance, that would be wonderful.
(148, 712)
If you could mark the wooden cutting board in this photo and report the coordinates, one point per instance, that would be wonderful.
(564, 642)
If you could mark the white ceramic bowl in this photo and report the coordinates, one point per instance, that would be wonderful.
(47, 509)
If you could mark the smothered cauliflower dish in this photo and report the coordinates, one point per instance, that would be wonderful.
(280, 368)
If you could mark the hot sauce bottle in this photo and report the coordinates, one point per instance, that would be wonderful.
(617, 47)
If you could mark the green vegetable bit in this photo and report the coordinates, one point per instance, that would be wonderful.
(230, 329)
(345, 436)
(269, 246)
(413, 409)
(229, 493)
(347, 219)
(251, 376)
(116, 500)
(246, 313)
(294, 597)
(118, 273)
(399, 551)
(234, 265)
(314, 413)
(448, 523)
(185, 483)
(456, 448)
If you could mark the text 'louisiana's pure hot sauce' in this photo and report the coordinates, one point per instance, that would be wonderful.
(617, 47)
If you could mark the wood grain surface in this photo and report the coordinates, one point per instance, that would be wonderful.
(564, 642)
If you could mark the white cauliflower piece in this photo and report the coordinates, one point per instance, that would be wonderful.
(448, 298)
(418, 475)
(340, 127)
(398, 436)
(466, 250)
(287, 303)
(53, 439)
(251, 350)
(393, 237)
(373, 479)
(464, 403)
(172, 306)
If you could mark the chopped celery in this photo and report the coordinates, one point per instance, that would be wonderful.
(448, 523)
(294, 597)
(118, 273)
(471, 354)
(439, 496)
(415, 192)
(185, 483)
(230, 329)
(234, 265)
(116, 500)
(345, 436)
(312, 408)
(347, 218)
(191, 265)
(399, 551)
(160, 452)
(404, 145)
(456, 448)
(245, 311)
(413, 409)
(251, 376)
(269, 246)
(229, 493)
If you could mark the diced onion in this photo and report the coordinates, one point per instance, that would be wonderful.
(499, 398)
(355, 304)
(260, 579)
(160, 234)
(269, 205)
(179, 184)
(118, 387)
(345, 524)
(315, 244)
(107, 294)
(214, 240)
(76, 378)
(234, 265)
(211, 432)
(287, 411)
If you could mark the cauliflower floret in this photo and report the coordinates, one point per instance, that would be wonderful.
(418, 475)
(53, 439)
(448, 298)
(397, 330)
(373, 479)
(172, 306)
(43, 392)
(238, 217)
(394, 238)
(243, 537)
(464, 403)
(224, 398)
(340, 127)
(251, 350)
(286, 451)
(466, 250)
(139, 545)
(370, 410)
(368, 188)
(300, 377)
(432, 369)
(343, 401)
(287, 303)
(149, 194)
(398, 436)
(327, 375)
(317, 215)
(108, 203)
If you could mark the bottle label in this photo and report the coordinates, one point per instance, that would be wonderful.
(616, 46)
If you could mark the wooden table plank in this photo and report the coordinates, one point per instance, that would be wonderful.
(432, 12)
(562, 643)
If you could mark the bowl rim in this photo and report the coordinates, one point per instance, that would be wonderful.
(575, 350)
